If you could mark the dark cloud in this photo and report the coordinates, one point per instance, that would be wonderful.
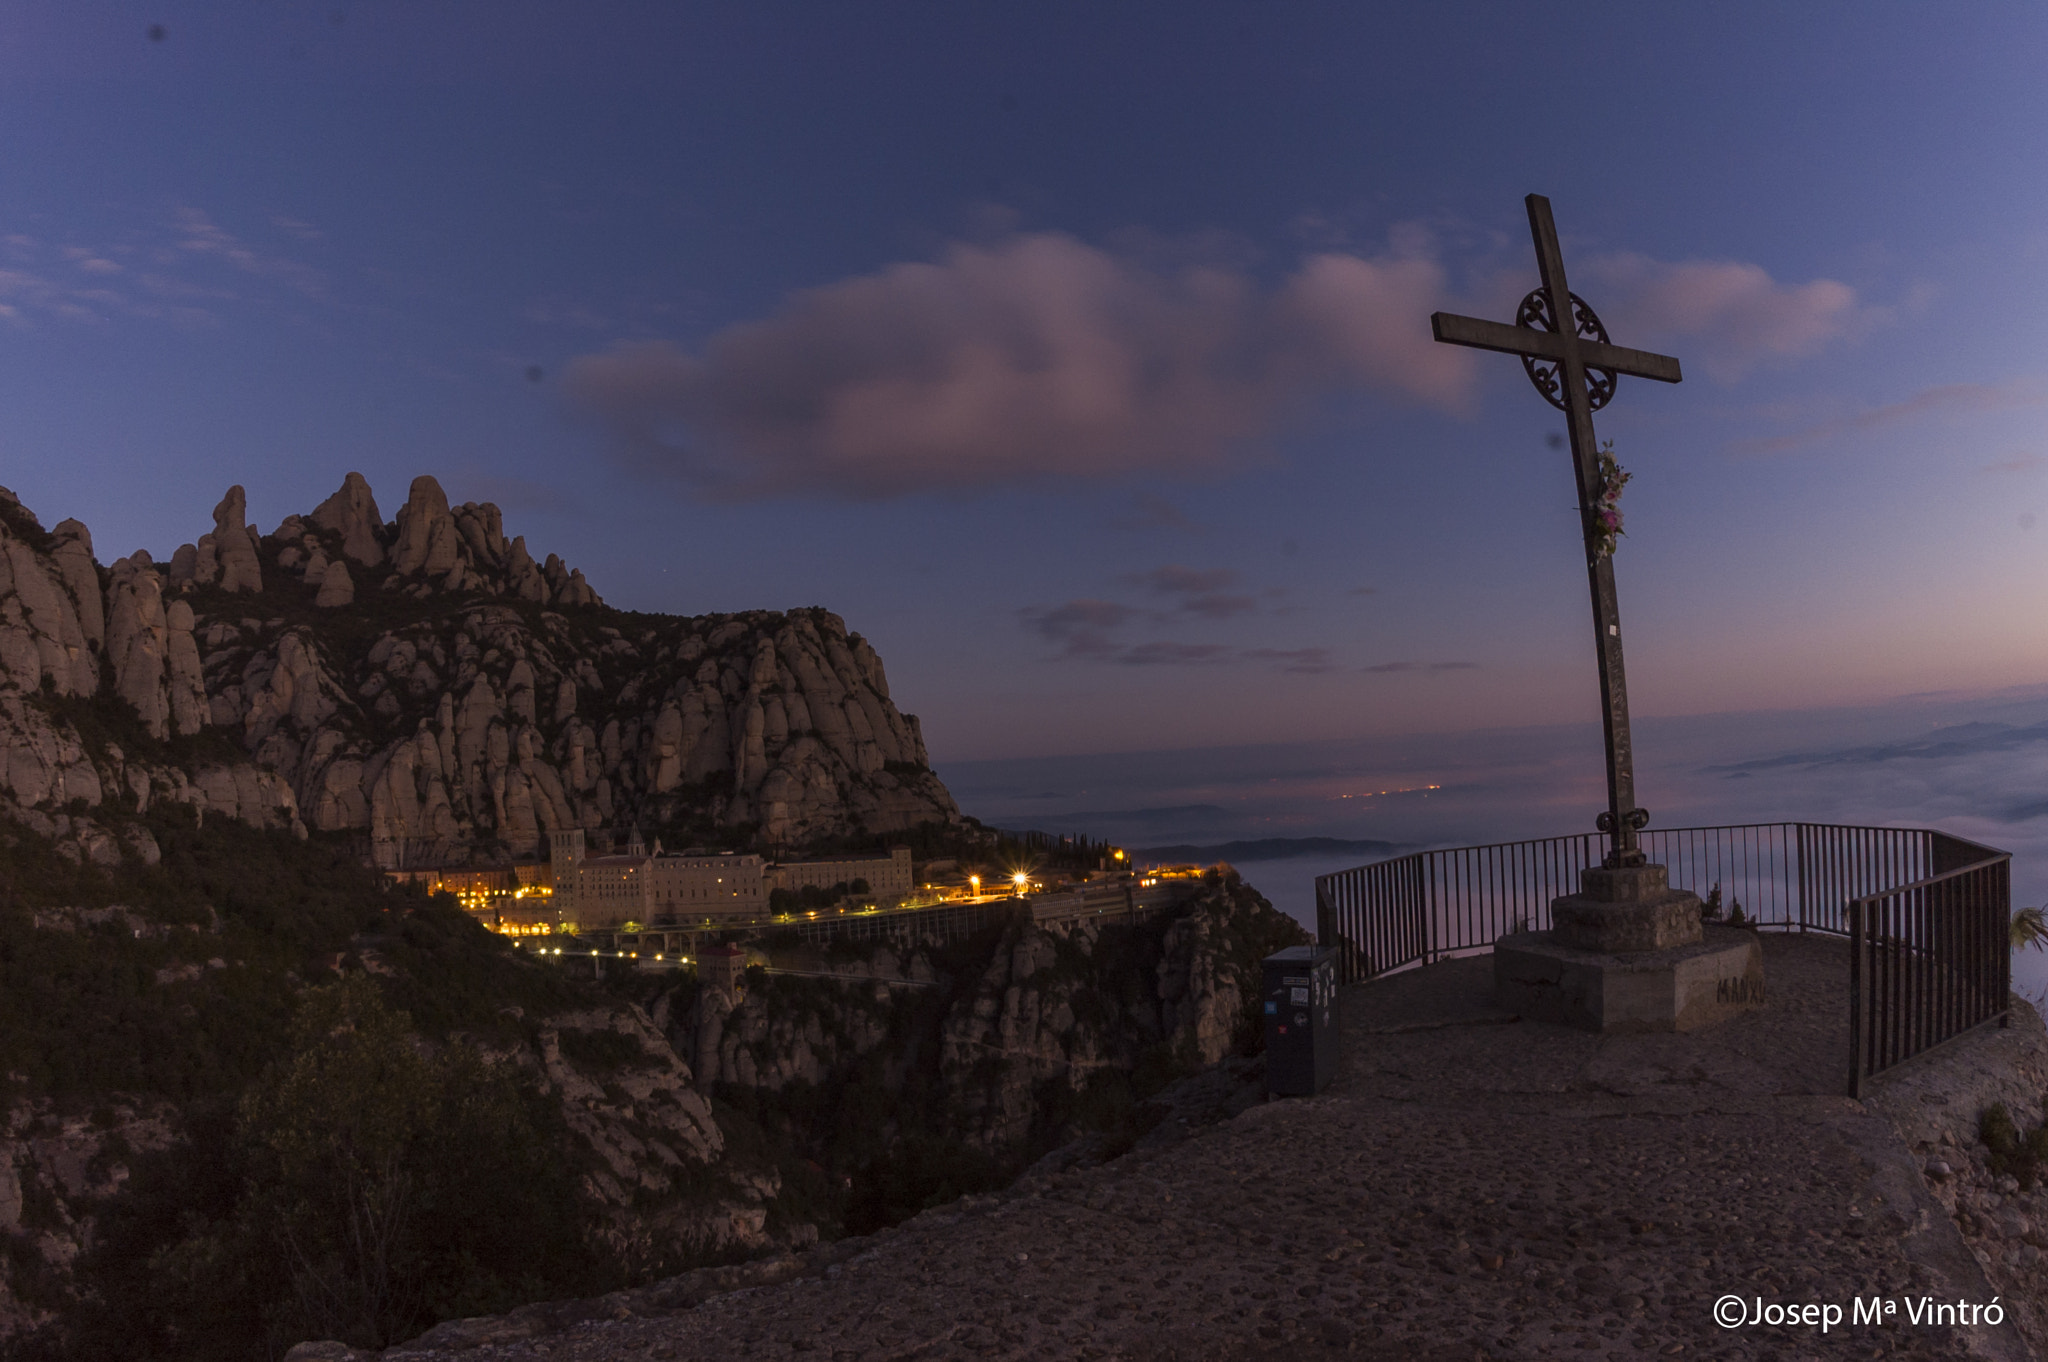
(1150, 512)
(1175, 654)
(1390, 667)
(1084, 629)
(1196, 591)
(1080, 627)
(1303, 661)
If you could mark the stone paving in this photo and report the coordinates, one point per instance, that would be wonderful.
(1472, 1187)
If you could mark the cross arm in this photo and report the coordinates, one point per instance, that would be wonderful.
(1453, 329)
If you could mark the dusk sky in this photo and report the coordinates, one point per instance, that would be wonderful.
(1079, 354)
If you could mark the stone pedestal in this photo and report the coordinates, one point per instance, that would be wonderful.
(1629, 953)
(1679, 989)
(1617, 911)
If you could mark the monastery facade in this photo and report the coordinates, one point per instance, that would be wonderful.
(650, 887)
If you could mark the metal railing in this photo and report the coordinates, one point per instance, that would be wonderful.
(1927, 962)
(1920, 947)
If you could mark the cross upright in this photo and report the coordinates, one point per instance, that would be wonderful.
(1565, 350)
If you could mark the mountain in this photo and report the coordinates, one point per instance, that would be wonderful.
(428, 687)
(253, 1091)
(1262, 849)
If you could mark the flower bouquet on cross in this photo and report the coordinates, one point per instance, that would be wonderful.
(1607, 502)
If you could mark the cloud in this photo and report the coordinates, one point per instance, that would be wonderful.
(1734, 315)
(170, 276)
(90, 261)
(1962, 397)
(1304, 661)
(1040, 358)
(2018, 463)
(199, 235)
(1174, 654)
(1080, 627)
(1152, 512)
(304, 231)
(1037, 359)
(1197, 592)
(1387, 668)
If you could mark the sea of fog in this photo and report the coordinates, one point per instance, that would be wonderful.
(1976, 766)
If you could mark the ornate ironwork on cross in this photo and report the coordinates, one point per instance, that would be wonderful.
(1576, 368)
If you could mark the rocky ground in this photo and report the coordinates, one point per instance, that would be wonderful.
(1472, 1187)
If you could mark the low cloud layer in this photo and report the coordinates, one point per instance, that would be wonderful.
(1043, 358)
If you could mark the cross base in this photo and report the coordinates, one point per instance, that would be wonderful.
(1620, 909)
(1685, 988)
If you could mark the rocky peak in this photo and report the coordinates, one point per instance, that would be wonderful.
(425, 685)
(234, 544)
(352, 514)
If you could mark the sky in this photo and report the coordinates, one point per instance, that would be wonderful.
(1078, 355)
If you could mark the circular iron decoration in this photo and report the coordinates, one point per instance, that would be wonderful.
(1635, 818)
(1535, 314)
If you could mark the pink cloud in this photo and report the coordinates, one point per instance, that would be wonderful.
(1038, 358)
(1734, 315)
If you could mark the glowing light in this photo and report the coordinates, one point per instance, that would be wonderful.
(1405, 789)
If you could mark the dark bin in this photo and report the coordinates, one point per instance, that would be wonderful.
(1300, 994)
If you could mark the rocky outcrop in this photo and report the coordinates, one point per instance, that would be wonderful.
(492, 701)
(154, 659)
(336, 590)
(1043, 1006)
(46, 636)
(235, 544)
(56, 1168)
(351, 516)
(657, 1175)
(659, 1169)
(50, 646)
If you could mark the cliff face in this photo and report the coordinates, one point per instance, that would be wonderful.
(428, 685)
(986, 1053)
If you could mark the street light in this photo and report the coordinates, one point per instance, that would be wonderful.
(974, 886)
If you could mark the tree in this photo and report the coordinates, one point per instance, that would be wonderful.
(400, 1186)
(330, 1133)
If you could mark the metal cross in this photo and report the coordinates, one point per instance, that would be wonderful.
(1576, 370)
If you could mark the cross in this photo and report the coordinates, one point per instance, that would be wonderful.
(1576, 369)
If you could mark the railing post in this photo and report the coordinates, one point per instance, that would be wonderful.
(1855, 913)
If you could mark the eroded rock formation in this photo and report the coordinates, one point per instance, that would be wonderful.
(427, 685)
